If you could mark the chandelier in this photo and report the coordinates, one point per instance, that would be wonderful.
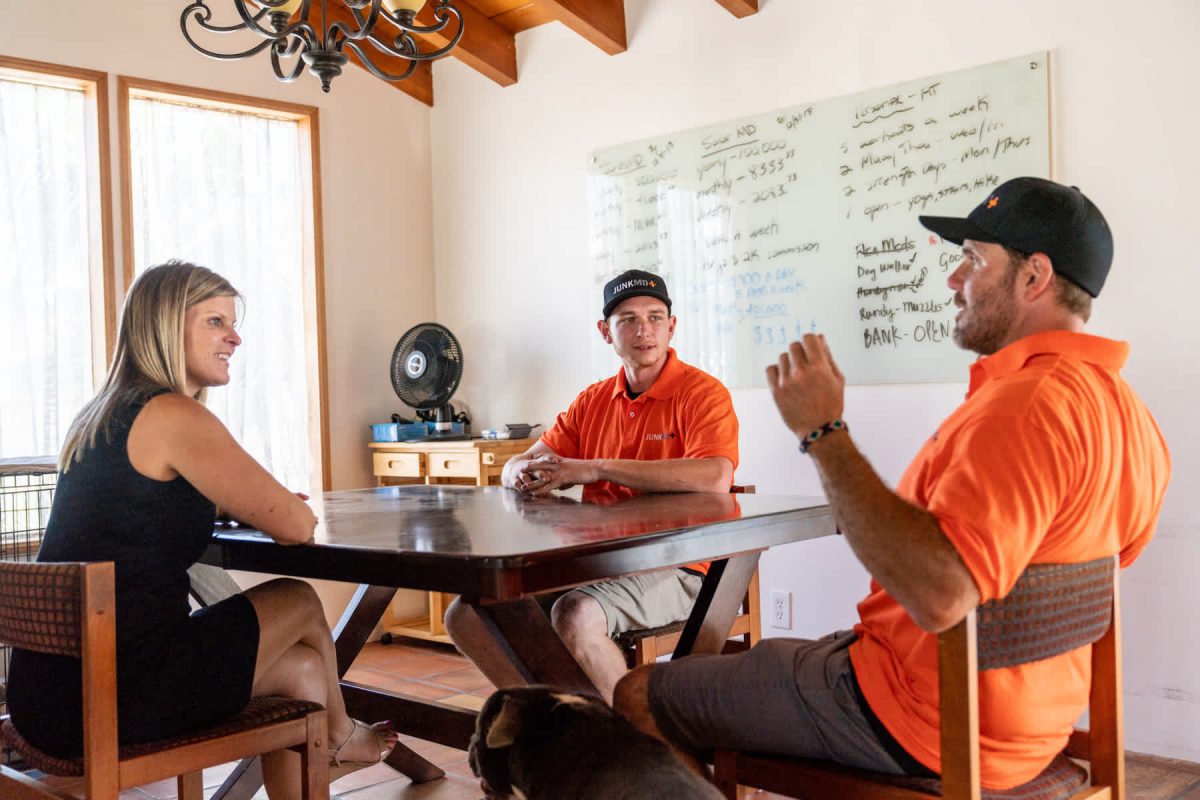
(320, 39)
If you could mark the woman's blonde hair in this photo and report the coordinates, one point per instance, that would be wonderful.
(150, 355)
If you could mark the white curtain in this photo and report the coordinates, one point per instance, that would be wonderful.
(223, 189)
(45, 310)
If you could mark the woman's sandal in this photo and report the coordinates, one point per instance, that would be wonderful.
(378, 729)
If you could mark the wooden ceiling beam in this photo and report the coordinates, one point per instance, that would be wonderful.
(485, 46)
(740, 8)
(601, 22)
(522, 18)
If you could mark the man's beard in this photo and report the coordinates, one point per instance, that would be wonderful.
(988, 323)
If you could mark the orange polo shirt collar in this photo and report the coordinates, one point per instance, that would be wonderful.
(664, 385)
(1097, 350)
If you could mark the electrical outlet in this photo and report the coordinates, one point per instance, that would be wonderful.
(781, 609)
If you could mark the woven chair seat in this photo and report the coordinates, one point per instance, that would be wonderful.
(632, 637)
(1060, 780)
(258, 712)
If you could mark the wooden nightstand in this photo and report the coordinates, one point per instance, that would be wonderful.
(476, 462)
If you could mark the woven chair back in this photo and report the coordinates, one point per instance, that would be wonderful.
(1052, 609)
(40, 607)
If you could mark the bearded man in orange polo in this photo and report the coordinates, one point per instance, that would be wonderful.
(658, 425)
(1052, 458)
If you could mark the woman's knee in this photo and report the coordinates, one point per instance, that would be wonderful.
(287, 598)
(298, 673)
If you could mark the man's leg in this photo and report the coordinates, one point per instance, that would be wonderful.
(582, 624)
(632, 699)
(786, 696)
(588, 618)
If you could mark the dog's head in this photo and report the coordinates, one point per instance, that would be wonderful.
(508, 715)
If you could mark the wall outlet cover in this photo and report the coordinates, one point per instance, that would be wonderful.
(781, 609)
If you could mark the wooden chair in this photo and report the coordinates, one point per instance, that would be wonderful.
(68, 609)
(645, 646)
(1052, 609)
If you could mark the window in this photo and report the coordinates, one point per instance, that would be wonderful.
(55, 250)
(228, 182)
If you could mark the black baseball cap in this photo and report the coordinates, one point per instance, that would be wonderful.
(1035, 215)
(634, 283)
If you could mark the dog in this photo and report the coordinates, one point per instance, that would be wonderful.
(535, 743)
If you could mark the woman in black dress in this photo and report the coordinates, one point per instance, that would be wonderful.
(143, 465)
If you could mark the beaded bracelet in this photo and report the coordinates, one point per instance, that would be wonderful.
(828, 427)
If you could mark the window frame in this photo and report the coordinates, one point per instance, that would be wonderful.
(313, 264)
(102, 260)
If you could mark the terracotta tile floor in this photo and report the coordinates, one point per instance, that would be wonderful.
(438, 673)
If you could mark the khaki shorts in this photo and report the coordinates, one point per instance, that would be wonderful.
(649, 600)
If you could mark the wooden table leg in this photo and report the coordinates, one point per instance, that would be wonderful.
(362, 614)
(720, 597)
(523, 630)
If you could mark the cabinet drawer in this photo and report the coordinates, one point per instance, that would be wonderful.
(400, 465)
(454, 464)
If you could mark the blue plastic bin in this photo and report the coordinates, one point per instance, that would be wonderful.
(397, 432)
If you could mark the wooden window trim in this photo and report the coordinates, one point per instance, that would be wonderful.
(309, 121)
(99, 160)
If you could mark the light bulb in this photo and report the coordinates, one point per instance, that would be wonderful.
(395, 6)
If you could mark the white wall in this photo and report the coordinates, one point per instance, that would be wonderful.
(376, 179)
(510, 226)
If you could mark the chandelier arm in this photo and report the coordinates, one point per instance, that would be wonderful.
(376, 71)
(365, 26)
(204, 14)
(279, 73)
(258, 48)
(410, 49)
(295, 44)
(443, 12)
(303, 32)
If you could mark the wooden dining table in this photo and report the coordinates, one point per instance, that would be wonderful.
(499, 551)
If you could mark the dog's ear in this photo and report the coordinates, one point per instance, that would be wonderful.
(506, 724)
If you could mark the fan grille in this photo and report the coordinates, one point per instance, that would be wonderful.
(426, 366)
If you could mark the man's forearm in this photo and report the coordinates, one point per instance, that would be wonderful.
(900, 544)
(671, 475)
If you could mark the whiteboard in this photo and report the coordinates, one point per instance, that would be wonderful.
(805, 219)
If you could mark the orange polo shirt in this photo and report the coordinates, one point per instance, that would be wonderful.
(686, 413)
(1052, 458)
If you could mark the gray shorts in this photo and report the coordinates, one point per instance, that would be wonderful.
(649, 600)
(792, 697)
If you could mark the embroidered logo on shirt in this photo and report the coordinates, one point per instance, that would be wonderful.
(658, 437)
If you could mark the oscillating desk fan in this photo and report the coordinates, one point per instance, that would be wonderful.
(426, 367)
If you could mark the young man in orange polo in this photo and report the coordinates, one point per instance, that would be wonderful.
(658, 425)
(1052, 458)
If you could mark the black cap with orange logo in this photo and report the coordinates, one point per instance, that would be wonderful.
(1035, 215)
(634, 283)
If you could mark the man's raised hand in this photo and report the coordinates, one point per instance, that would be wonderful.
(806, 385)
